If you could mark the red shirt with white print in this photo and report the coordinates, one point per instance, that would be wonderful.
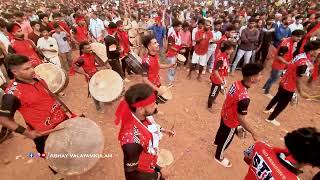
(174, 40)
(299, 66)
(221, 65)
(40, 111)
(267, 162)
(287, 42)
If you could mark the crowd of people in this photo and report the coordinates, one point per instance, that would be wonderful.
(215, 37)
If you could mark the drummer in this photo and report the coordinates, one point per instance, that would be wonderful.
(139, 134)
(87, 61)
(26, 94)
(151, 65)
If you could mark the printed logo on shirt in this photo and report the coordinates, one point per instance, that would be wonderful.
(232, 89)
(262, 170)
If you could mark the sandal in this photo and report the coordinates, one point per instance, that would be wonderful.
(225, 162)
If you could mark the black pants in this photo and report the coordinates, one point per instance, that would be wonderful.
(116, 66)
(215, 89)
(40, 143)
(136, 175)
(282, 99)
(187, 54)
(262, 54)
(223, 139)
(125, 67)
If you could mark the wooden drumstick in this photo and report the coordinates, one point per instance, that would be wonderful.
(168, 88)
(45, 133)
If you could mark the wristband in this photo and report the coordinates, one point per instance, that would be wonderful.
(20, 129)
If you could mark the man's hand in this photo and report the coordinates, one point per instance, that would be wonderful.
(168, 132)
(32, 134)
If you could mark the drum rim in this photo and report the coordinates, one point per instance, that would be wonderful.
(117, 95)
(62, 72)
(54, 166)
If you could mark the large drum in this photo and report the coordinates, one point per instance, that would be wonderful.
(134, 62)
(76, 148)
(106, 85)
(100, 50)
(56, 78)
(165, 158)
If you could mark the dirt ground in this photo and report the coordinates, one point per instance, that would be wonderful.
(195, 130)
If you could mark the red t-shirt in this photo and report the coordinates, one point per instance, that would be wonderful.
(201, 48)
(222, 65)
(151, 69)
(87, 62)
(62, 24)
(81, 34)
(265, 164)
(25, 47)
(296, 68)
(40, 111)
(287, 42)
(233, 105)
(124, 42)
(218, 51)
(174, 40)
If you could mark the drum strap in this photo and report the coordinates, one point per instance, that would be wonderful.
(56, 98)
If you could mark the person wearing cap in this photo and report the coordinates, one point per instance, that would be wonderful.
(159, 32)
(282, 60)
(113, 49)
(139, 134)
(22, 46)
(234, 111)
(302, 148)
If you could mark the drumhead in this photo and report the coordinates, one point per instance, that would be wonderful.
(100, 50)
(165, 158)
(181, 58)
(76, 148)
(53, 75)
(167, 95)
(106, 85)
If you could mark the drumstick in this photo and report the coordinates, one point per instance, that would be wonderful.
(168, 88)
(45, 133)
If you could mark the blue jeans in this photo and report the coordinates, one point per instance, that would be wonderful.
(171, 71)
(274, 76)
